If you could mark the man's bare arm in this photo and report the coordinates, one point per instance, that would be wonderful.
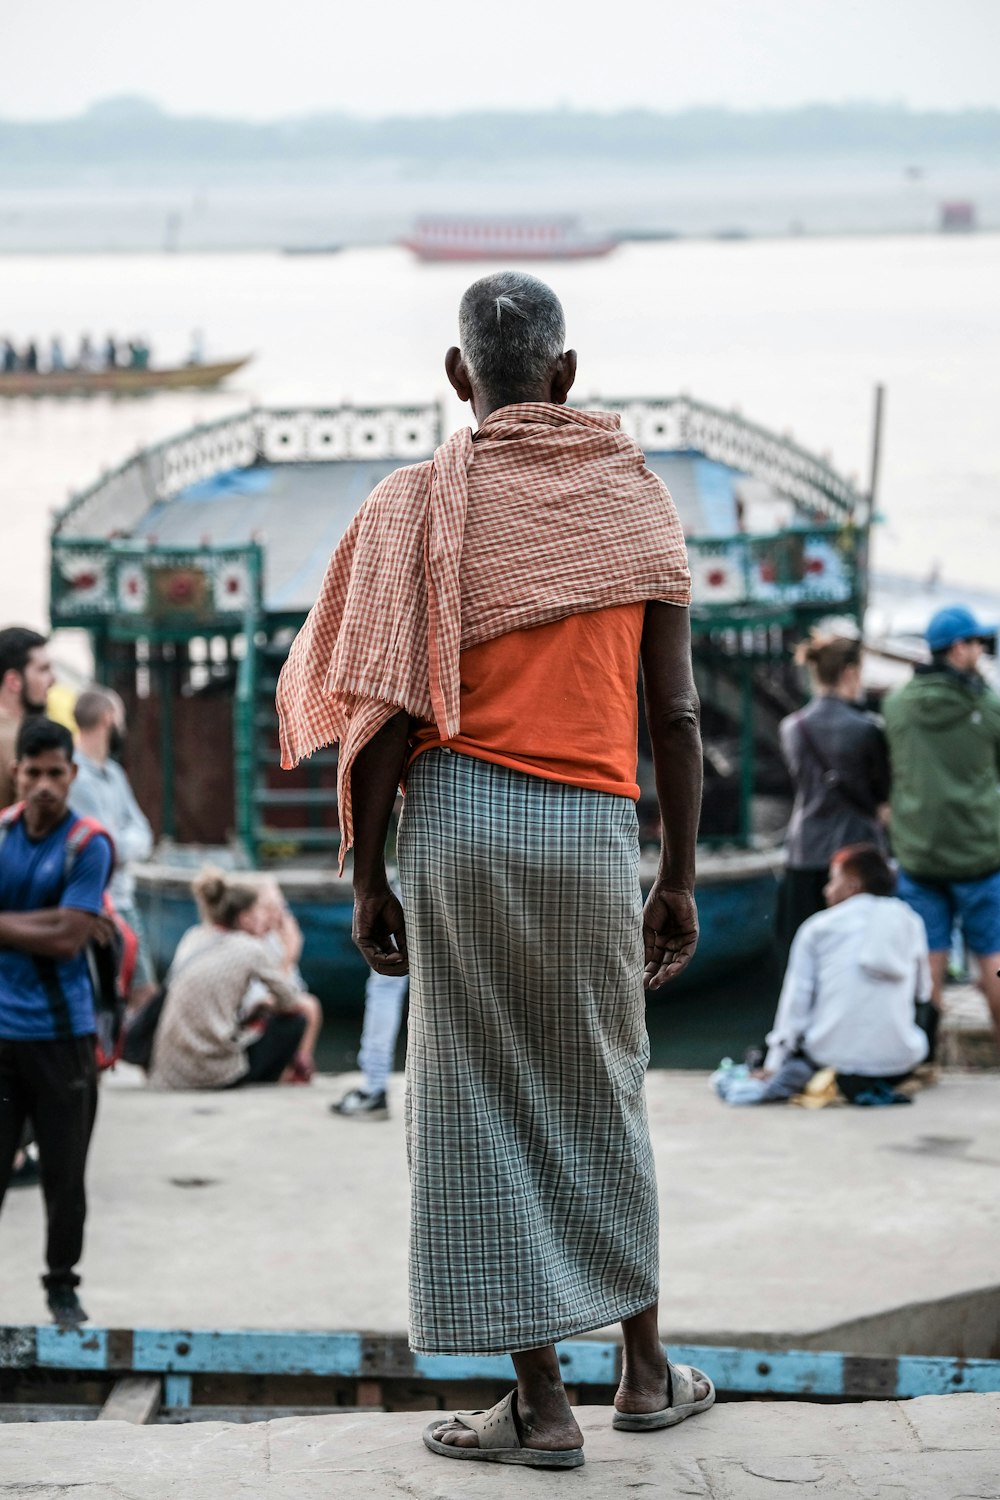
(379, 930)
(670, 918)
(58, 932)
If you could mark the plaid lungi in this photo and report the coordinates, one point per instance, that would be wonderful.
(534, 1212)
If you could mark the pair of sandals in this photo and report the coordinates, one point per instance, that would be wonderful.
(500, 1440)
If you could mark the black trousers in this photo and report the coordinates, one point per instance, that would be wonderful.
(800, 896)
(52, 1084)
(274, 1049)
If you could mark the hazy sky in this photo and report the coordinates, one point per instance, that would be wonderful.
(260, 59)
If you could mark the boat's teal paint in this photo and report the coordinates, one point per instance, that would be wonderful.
(178, 1354)
(737, 923)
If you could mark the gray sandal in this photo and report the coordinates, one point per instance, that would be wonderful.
(682, 1379)
(499, 1440)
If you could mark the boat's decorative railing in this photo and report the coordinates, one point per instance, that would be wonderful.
(803, 566)
(136, 589)
(678, 423)
(118, 500)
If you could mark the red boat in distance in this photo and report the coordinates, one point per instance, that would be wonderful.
(444, 238)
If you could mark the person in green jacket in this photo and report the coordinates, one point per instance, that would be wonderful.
(943, 730)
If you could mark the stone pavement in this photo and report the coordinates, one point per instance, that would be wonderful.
(938, 1447)
(259, 1209)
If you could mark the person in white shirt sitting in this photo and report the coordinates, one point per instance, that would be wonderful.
(855, 977)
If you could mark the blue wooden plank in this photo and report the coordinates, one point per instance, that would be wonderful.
(463, 1366)
(267, 1352)
(943, 1377)
(775, 1372)
(788, 1372)
(177, 1390)
(71, 1348)
(589, 1362)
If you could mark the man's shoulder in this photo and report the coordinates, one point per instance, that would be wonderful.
(897, 702)
(401, 484)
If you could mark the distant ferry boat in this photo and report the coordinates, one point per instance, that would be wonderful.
(443, 238)
(120, 381)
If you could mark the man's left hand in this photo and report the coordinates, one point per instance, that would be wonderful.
(669, 934)
(102, 930)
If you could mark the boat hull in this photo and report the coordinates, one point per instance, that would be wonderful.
(117, 382)
(508, 252)
(736, 893)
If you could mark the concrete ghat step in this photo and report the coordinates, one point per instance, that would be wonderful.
(935, 1446)
(967, 1038)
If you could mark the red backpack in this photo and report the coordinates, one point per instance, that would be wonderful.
(111, 965)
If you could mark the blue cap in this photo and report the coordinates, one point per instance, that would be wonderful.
(956, 623)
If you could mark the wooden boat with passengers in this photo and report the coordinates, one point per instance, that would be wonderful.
(194, 564)
(124, 381)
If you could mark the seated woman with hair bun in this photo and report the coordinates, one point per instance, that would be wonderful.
(201, 1041)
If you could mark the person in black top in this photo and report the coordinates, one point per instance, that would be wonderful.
(838, 760)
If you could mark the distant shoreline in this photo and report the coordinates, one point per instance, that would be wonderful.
(321, 251)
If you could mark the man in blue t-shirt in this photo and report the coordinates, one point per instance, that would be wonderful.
(51, 901)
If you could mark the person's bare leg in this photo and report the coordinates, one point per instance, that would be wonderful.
(313, 1012)
(644, 1384)
(989, 963)
(544, 1415)
(309, 1007)
(939, 967)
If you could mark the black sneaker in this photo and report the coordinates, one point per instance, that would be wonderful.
(357, 1105)
(65, 1306)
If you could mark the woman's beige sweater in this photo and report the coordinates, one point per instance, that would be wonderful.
(200, 1043)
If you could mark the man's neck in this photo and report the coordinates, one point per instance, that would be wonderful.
(484, 405)
(38, 825)
(93, 746)
(11, 706)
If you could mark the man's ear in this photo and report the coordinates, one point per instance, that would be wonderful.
(563, 377)
(12, 681)
(457, 374)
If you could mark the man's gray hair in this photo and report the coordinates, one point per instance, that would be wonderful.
(512, 330)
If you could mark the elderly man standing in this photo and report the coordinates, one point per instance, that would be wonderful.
(479, 636)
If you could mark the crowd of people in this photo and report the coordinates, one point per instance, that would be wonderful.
(35, 357)
(868, 942)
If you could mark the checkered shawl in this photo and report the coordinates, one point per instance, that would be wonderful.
(546, 513)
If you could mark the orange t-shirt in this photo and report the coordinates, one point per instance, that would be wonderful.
(557, 701)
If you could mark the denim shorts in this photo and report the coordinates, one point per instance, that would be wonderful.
(973, 904)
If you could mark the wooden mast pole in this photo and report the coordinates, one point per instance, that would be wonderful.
(864, 547)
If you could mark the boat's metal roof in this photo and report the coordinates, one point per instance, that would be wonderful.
(300, 512)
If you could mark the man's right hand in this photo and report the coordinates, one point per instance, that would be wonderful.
(669, 933)
(379, 931)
